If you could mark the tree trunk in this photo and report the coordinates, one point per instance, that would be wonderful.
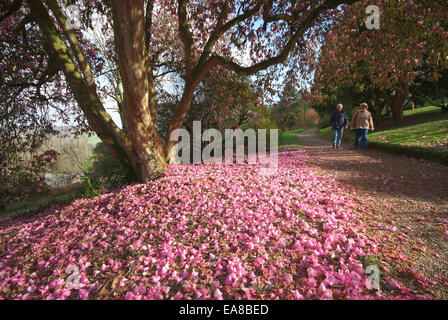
(139, 94)
(444, 105)
(381, 102)
(377, 115)
(84, 89)
(397, 105)
(139, 150)
(377, 108)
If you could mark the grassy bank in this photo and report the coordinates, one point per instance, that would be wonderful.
(421, 111)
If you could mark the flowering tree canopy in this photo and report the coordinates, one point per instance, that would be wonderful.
(145, 40)
(411, 34)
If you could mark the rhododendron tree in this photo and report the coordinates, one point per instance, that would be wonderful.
(411, 34)
(33, 96)
(153, 37)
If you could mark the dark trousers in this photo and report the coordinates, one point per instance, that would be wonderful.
(337, 136)
(361, 134)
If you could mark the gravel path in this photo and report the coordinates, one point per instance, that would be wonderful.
(407, 206)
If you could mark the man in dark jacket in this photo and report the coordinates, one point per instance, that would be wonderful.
(339, 121)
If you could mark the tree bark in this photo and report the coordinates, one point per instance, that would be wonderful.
(397, 105)
(442, 95)
(376, 114)
(380, 102)
(139, 94)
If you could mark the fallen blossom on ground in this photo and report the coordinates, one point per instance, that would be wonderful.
(199, 232)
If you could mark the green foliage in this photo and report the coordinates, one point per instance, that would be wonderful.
(325, 121)
(101, 171)
(350, 97)
(222, 101)
(290, 111)
(430, 85)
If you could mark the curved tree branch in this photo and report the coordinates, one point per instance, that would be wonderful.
(221, 28)
(282, 56)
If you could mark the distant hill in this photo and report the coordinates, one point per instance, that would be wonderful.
(66, 132)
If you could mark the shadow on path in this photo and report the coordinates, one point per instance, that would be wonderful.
(372, 170)
(397, 190)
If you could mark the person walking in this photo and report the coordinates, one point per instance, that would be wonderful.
(339, 121)
(362, 123)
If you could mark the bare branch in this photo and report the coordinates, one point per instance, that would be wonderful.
(167, 72)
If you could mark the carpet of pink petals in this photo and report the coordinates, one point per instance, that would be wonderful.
(200, 232)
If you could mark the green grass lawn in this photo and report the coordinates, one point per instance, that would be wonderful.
(421, 110)
(290, 137)
(418, 111)
(431, 134)
(327, 131)
(428, 140)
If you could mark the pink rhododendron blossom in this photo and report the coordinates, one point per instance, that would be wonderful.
(199, 232)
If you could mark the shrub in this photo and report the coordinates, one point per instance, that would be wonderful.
(325, 121)
(21, 176)
(101, 171)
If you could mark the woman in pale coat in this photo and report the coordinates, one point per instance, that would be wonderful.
(362, 122)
